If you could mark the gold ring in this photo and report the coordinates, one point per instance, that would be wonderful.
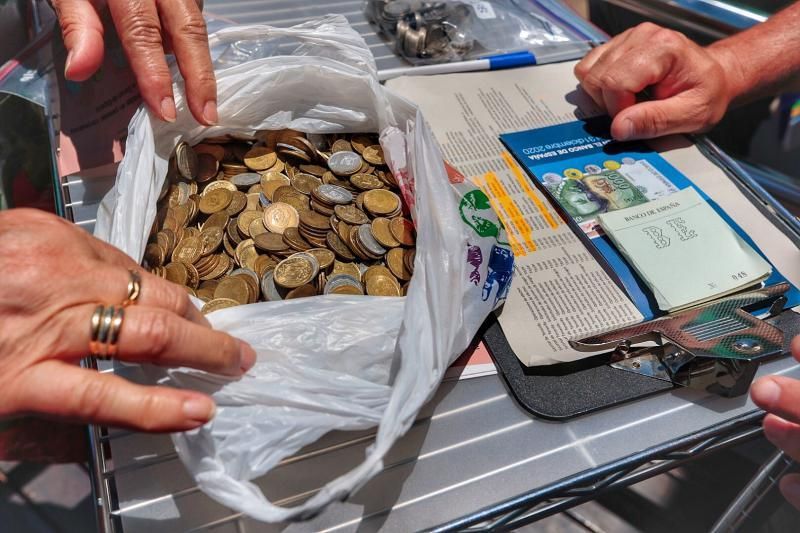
(105, 326)
(134, 288)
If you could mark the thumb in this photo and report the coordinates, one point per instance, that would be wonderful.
(83, 37)
(656, 118)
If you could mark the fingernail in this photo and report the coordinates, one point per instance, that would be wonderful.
(248, 356)
(200, 409)
(168, 111)
(627, 130)
(210, 113)
(765, 392)
(66, 66)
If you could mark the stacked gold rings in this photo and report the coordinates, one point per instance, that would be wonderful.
(106, 321)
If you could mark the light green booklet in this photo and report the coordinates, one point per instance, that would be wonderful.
(685, 252)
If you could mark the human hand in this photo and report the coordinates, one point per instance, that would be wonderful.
(54, 275)
(146, 29)
(780, 397)
(691, 86)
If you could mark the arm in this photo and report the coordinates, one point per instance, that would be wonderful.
(691, 86)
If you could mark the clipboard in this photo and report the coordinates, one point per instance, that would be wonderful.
(616, 374)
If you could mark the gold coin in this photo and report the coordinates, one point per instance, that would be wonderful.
(220, 184)
(279, 216)
(238, 203)
(217, 304)
(294, 272)
(381, 202)
(270, 242)
(360, 143)
(314, 170)
(292, 237)
(366, 182)
(264, 264)
(374, 155)
(380, 285)
(210, 239)
(219, 219)
(241, 248)
(194, 277)
(403, 230)
(260, 158)
(270, 187)
(222, 265)
(248, 257)
(216, 200)
(351, 214)
(348, 289)
(256, 227)
(394, 260)
(245, 219)
(233, 288)
(214, 150)
(187, 251)
(315, 220)
(154, 255)
(338, 247)
(208, 167)
(380, 230)
(305, 183)
(351, 269)
(177, 273)
(324, 257)
(376, 270)
(288, 195)
(342, 145)
(253, 202)
(304, 291)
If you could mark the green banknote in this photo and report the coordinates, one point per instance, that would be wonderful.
(593, 194)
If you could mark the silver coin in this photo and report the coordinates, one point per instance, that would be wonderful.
(337, 280)
(246, 179)
(333, 194)
(268, 288)
(247, 272)
(311, 259)
(369, 242)
(183, 192)
(263, 200)
(186, 161)
(345, 163)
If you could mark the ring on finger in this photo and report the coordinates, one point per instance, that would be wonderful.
(134, 288)
(105, 327)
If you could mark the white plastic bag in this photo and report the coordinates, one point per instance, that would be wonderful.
(329, 362)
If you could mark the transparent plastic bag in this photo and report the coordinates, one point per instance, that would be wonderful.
(443, 31)
(329, 362)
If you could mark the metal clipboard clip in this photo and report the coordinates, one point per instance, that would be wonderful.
(715, 347)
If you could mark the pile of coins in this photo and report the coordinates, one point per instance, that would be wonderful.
(431, 31)
(283, 215)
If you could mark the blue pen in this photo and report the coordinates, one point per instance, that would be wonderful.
(495, 62)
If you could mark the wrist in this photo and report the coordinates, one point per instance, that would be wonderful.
(737, 83)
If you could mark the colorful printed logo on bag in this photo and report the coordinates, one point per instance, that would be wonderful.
(500, 272)
(476, 211)
(475, 259)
